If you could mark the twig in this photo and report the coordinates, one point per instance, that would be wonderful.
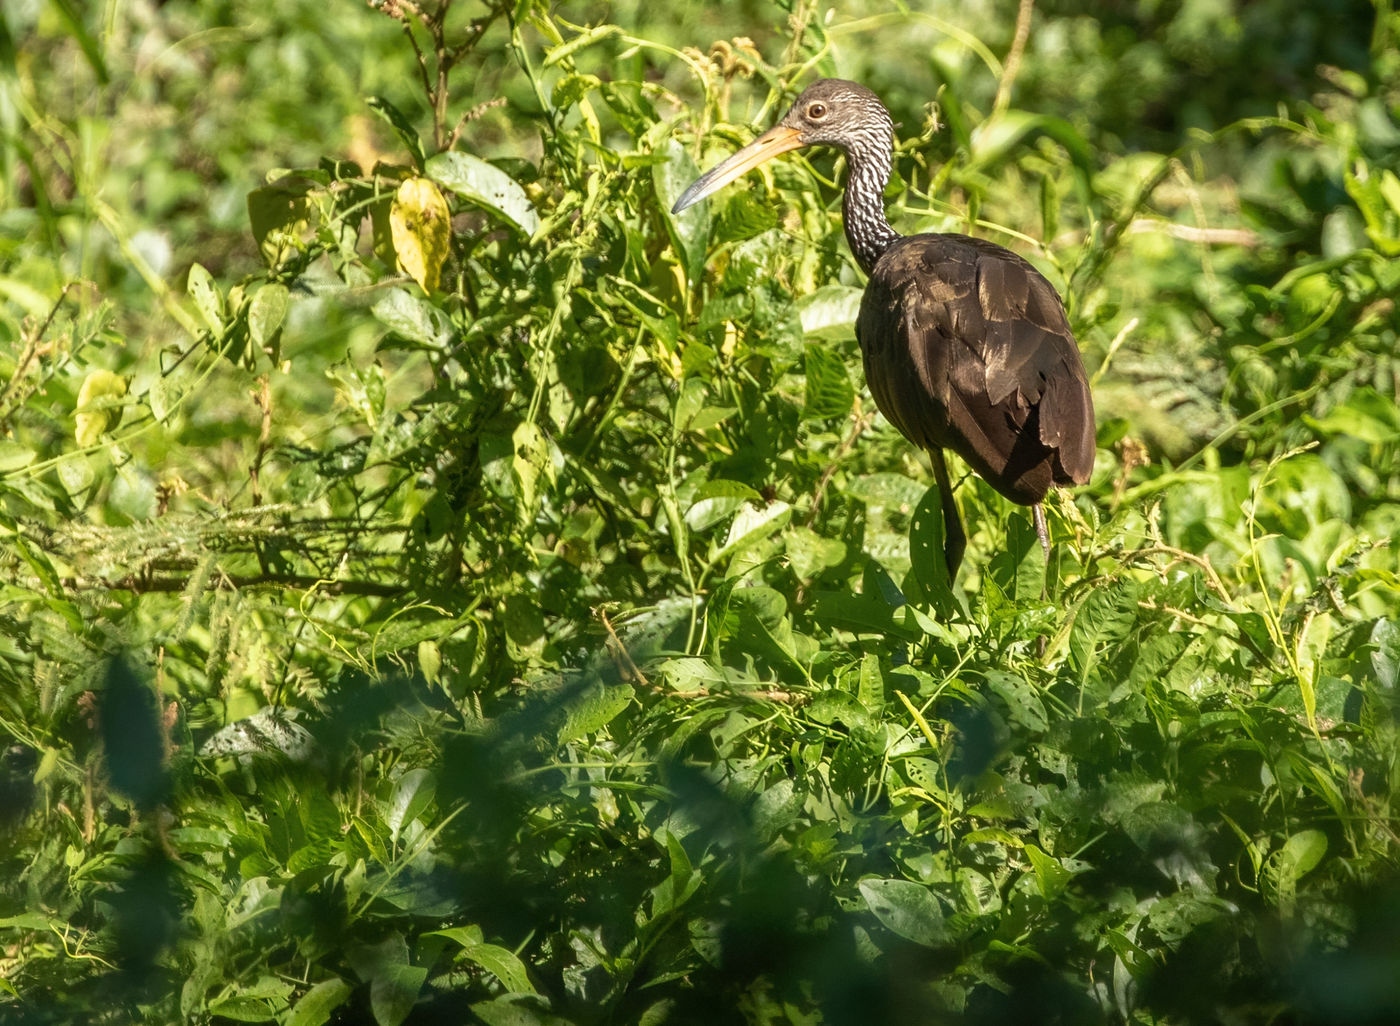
(1013, 57)
(861, 421)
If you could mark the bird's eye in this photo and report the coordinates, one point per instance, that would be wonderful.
(816, 111)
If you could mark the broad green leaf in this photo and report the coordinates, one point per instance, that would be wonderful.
(751, 524)
(530, 462)
(809, 553)
(743, 215)
(413, 793)
(862, 614)
(908, 909)
(394, 983)
(476, 181)
(829, 389)
(421, 228)
(1385, 659)
(887, 491)
(1050, 875)
(870, 683)
(994, 139)
(501, 963)
(571, 88)
(242, 1009)
(315, 1006)
(690, 229)
(513, 1010)
(593, 709)
(14, 456)
(29, 921)
(402, 127)
(429, 660)
(927, 556)
(716, 500)
(1102, 618)
(394, 991)
(207, 299)
(777, 808)
(1285, 868)
(266, 314)
(413, 318)
(830, 311)
(836, 706)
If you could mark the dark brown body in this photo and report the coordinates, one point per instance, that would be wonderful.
(967, 348)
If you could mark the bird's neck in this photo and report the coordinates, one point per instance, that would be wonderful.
(868, 231)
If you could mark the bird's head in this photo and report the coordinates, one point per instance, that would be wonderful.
(830, 112)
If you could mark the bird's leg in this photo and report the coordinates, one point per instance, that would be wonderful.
(954, 537)
(1038, 515)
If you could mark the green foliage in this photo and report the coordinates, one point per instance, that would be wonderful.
(532, 623)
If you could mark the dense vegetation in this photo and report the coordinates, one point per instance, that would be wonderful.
(441, 585)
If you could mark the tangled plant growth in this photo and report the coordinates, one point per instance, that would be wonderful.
(481, 593)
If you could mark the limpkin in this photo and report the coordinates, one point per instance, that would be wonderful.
(966, 345)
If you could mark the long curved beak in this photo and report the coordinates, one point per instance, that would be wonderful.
(778, 139)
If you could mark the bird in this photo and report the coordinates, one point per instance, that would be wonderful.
(966, 345)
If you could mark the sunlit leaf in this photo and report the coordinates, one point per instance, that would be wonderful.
(476, 181)
(93, 418)
(907, 909)
(420, 224)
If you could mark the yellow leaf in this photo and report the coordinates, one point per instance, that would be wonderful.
(91, 424)
(421, 228)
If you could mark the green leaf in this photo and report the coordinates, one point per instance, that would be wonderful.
(829, 389)
(993, 140)
(315, 1006)
(751, 524)
(830, 312)
(207, 299)
(870, 683)
(716, 500)
(515, 1010)
(1300, 855)
(402, 127)
(241, 1009)
(1385, 660)
(414, 318)
(413, 793)
(529, 463)
(394, 983)
(887, 491)
(592, 710)
(690, 229)
(266, 314)
(1104, 616)
(394, 991)
(1050, 875)
(809, 553)
(908, 909)
(14, 456)
(476, 181)
(863, 614)
(927, 557)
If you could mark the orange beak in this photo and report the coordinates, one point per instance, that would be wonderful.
(778, 139)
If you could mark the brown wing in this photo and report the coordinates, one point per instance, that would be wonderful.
(967, 348)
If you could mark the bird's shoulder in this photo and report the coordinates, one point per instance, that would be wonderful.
(989, 281)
